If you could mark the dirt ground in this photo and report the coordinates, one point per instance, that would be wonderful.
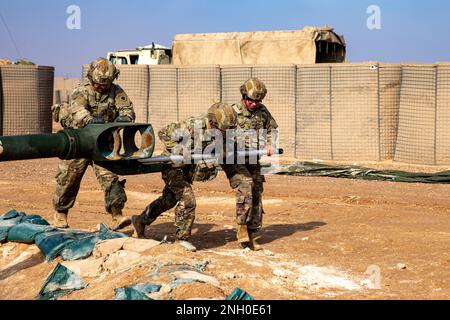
(323, 238)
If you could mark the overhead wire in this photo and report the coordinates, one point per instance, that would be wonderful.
(10, 35)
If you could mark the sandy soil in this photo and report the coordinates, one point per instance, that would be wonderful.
(323, 237)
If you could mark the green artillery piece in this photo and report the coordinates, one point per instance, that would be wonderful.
(112, 146)
(123, 148)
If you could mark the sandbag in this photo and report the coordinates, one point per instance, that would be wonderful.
(35, 219)
(239, 294)
(11, 218)
(4, 233)
(130, 294)
(12, 214)
(83, 247)
(26, 232)
(60, 282)
(52, 243)
(136, 292)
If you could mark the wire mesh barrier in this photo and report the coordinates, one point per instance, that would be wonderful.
(134, 80)
(353, 111)
(423, 130)
(163, 98)
(416, 138)
(280, 100)
(347, 111)
(27, 95)
(389, 100)
(46, 78)
(232, 77)
(313, 115)
(443, 114)
(198, 88)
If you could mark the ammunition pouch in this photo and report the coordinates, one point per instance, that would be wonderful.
(205, 170)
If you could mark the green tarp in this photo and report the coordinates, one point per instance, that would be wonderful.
(16, 226)
(26, 232)
(239, 294)
(60, 282)
(355, 172)
(136, 292)
(83, 247)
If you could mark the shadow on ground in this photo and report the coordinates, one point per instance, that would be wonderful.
(204, 238)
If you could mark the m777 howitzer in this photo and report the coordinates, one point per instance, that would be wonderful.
(111, 145)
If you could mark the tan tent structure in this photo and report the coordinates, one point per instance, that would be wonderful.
(308, 46)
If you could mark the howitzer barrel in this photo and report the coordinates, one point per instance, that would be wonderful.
(34, 146)
(99, 142)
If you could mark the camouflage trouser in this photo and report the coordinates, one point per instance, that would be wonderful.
(248, 182)
(177, 191)
(68, 180)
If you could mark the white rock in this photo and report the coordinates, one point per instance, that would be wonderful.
(280, 273)
(107, 247)
(401, 266)
(85, 268)
(139, 245)
(122, 260)
(188, 274)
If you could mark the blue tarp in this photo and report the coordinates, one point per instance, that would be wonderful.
(71, 244)
(26, 232)
(60, 282)
(83, 247)
(12, 214)
(52, 243)
(239, 294)
(7, 221)
(136, 292)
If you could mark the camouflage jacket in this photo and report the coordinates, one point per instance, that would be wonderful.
(85, 103)
(172, 134)
(257, 120)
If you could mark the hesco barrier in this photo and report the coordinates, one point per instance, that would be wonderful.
(163, 98)
(27, 96)
(423, 129)
(354, 111)
(347, 111)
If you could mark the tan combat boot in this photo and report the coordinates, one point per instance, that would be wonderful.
(60, 219)
(242, 235)
(119, 221)
(253, 244)
(139, 226)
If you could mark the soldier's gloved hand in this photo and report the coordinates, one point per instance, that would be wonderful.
(96, 120)
(123, 119)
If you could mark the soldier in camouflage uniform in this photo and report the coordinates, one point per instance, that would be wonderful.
(178, 179)
(97, 100)
(247, 178)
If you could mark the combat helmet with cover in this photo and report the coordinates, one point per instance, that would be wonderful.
(254, 89)
(102, 71)
(222, 116)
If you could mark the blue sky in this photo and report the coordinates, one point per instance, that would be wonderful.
(410, 30)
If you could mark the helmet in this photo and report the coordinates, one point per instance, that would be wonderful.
(222, 115)
(102, 71)
(254, 89)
